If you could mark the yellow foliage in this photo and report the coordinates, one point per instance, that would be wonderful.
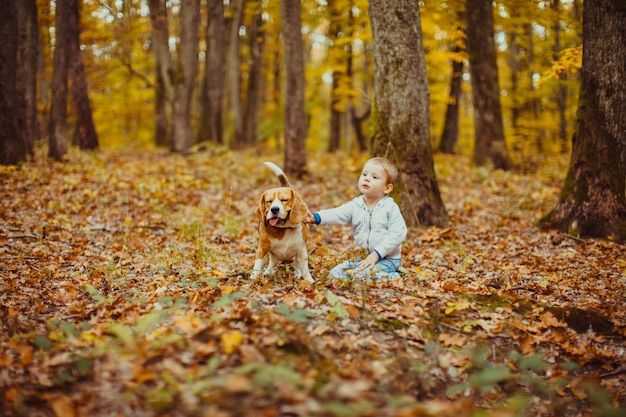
(571, 61)
(231, 340)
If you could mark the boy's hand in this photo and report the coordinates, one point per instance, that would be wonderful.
(309, 218)
(368, 262)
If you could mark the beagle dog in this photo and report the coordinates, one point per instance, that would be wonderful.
(282, 235)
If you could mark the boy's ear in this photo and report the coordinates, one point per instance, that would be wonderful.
(388, 188)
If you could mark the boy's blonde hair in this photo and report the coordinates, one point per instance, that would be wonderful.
(390, 169)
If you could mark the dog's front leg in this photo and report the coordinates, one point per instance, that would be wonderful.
(258, 261)
(270, 264)
(256, 269)
(301, 262)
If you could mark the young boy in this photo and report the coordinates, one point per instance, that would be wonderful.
(376, 220)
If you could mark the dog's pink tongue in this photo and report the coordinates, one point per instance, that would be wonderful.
(273, 221)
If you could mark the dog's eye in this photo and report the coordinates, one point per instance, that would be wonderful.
(284, 200)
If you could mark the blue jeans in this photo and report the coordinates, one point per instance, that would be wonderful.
(385, 268)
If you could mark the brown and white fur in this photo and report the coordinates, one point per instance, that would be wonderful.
(282, 235)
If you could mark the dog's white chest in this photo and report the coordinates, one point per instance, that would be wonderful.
(289, 246)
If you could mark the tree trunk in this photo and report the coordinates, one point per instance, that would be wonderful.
(514, 70)
(357, 125)
(593, 201)
(184, 76)
(12, 147)
(561, 96)
(164, 92)
(489, 142)
(211, 127)
(336, 56)
(295, 117)
(450, 133)
(401, 118)
(27, 60)
(534, 104)
(215, 72)
(234, 63)
(57, 130)
(85, 135)
(254, 103)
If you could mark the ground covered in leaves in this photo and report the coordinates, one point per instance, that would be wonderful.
(125, 291)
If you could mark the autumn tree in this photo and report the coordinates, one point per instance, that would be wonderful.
(12, 147)
(183, 73)
(164, 90)
(295, 130)
(489, 145)
(254, 91)
(234, 75)
(338, 59)
(85, 135)
(214, 78)
(593, 200)
(561, 95)
(28, 50)
(450, 133)
(401, 121)
(57, 128)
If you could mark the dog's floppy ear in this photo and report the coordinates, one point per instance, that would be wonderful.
(259, 209)
(299, 209)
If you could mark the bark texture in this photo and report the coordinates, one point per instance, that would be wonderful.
(401, 115)
(234, 79)
(254, 104)
(57, 128)
(593, 201)
(12, 149)
(489, 145)
(184, 73)
(26, 83)
(212, 125)
(295, 117)
(85, 135)
(164, 92)
(450, 133)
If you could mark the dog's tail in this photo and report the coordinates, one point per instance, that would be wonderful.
(282, 177)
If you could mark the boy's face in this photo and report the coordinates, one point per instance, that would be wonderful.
(373, 181)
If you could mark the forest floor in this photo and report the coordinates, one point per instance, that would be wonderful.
(125, 291)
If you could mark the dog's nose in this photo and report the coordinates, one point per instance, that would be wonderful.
(274, 210)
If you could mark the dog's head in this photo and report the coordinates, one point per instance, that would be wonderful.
(281, 207)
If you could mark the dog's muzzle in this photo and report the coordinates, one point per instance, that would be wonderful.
(276, 216)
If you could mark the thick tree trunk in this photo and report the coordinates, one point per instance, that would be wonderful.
(401, 117)
(450, 133)
(12, 147)
(214, 73)
(561, 96)
(357, 125)
(184, 77)
(57, 130)
(27, 59)
(85, 135)
(254, 103)
(593, 201)
(489, 145)
(336, 56)
(295, 116)
(234, 81)
(514, 70)
(164, 93)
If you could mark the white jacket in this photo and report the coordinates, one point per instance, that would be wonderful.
(382, 230)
